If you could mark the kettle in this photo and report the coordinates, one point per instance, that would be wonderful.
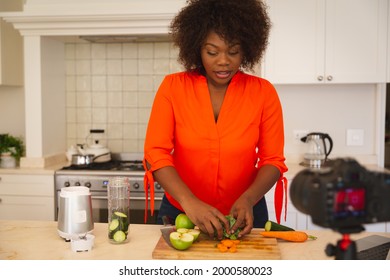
(75, 213)
(317, 151)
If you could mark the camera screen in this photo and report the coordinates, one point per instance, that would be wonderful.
(349, 202)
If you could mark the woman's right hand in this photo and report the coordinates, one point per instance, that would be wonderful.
(209, 219)
(206, 217)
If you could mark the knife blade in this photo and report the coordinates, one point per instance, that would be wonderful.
(167, 229)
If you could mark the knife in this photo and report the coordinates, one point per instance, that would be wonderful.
(167, 229)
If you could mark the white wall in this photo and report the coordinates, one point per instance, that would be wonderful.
(12, 111)
(331, 109)
(112, 86)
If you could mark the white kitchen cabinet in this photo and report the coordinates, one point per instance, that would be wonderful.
(294, 219)
(26, 197)
(11, 47)
(327, 41)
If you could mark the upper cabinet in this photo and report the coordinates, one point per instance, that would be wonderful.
(327, 41)
(11, 47)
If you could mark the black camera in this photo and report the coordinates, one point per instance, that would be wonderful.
(343, 195)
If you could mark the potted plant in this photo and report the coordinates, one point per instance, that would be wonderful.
(11, 150)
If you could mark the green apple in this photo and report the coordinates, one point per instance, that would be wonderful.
(182, 221)
(192, 231)
(181, 241)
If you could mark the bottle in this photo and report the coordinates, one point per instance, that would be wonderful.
(118, 193)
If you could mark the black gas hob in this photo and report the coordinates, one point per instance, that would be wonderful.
(113, 165)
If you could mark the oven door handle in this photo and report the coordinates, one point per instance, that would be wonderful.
(131, 198)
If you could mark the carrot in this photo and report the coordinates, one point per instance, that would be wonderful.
(294, 236)
(227, 242)
(227, 245)
(222, 248)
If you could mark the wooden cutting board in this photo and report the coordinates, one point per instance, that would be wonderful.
(252, 247)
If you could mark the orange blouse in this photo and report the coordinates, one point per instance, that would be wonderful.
(216, 160)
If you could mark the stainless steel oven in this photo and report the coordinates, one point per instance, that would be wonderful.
(96, 177)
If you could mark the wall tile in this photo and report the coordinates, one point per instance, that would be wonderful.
(83, 115)
(145, 66)
(130, 50)
(99, 99)
(162, 50)
(71, 115)
(114, 67)
(70, 83)
(145, 83)
(113, 86)
(145, 99)
(70, 51)
(130, 131)
(83, 83)
(99, 83)
(114, 115)
(143, 115)
(130, 115)
(83, 51)
(145, 50)
(130, 66)
(99, 67)
(130, 83)
(98, 51)
(114, 51)
(114, 130)
(130, 99)
(70, 99)
(132, 146)
(70, 65)
(83, 67)
(114, 99)
(161, 66)
(99, 116)
(114, 83)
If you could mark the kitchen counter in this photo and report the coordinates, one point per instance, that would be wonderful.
(39, 240)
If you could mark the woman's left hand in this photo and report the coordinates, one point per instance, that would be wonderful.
(242, 211)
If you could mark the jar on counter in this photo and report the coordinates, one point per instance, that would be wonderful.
(118, 192)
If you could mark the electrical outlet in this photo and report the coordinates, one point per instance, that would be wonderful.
(298, 134)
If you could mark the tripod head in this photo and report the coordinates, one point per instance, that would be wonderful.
(345, 248)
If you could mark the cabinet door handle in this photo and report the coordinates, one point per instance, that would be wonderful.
(329, 78)
(1, 200)
(320, 78)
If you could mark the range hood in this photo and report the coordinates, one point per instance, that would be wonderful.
(142, 19)
(45, 25)
(125, 38)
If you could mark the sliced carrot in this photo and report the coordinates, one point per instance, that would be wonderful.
(232, 249)
(227, 242)
(228, 245)
(222, 248)
(294, 236)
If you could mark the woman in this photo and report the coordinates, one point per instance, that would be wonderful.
(215, 137)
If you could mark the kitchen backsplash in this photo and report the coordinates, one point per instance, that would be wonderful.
(112, 87)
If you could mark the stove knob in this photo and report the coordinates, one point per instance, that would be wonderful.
(77, 184)
(87, 184)
(136, 186)
(66, 184)
(157, 186)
